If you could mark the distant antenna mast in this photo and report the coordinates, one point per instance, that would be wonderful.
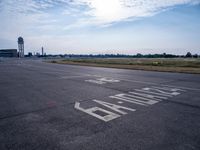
(21, 46)
(42, 51)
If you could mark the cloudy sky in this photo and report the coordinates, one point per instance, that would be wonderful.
(101, 26)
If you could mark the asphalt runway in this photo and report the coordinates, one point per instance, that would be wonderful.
(47, 106)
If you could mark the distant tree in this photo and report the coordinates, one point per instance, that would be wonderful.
(195, 56)
(30, 54)
(139, 55)
(164, 55)
(188, 54)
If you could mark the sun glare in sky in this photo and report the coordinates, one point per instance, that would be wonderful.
(106, 9)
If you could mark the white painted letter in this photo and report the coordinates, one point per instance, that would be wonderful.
(114, 107)
(91, 111)
(128, 98)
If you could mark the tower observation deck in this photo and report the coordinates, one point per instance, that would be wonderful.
(21, 46)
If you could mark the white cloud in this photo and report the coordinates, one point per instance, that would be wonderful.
(108, 11)
(97, 12)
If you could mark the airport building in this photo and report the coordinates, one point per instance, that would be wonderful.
(8, 53)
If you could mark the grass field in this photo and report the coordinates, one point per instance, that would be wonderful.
(183, 65)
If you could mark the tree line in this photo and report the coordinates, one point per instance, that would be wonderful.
(164, 55)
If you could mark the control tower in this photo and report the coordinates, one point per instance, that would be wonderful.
(21, 46)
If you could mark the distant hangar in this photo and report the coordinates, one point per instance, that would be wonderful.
(8, 53)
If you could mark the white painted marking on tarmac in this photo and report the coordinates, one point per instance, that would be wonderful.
(158, 84)
(182, 87)
(169, 91)
(125, 98)
(148, 90)
(103, 80)
(114, 107)
(135, 99)
(91, 111)
(95, 81)
(134, 81)
(145, 97)
(150, 96)
(108, 80)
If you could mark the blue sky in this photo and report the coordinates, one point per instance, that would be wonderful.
(102, 26)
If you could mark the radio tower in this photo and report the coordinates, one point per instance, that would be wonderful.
(21, 46)
(42, 51)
